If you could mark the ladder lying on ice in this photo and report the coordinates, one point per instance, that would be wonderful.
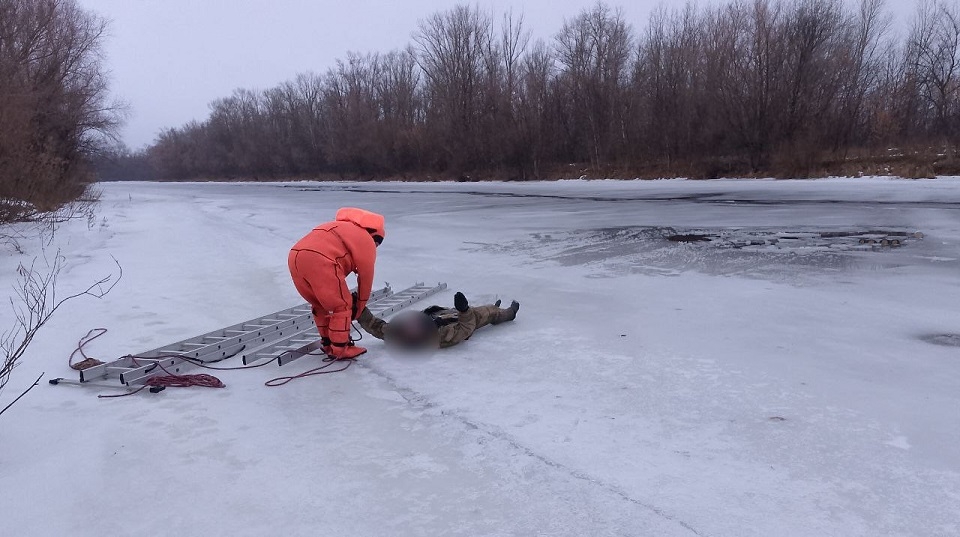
(285, 335)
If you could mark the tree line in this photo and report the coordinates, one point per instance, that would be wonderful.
(748, 87)
(55, 111)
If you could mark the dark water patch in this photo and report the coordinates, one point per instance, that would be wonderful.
(795, 240)
(778, 254)
(688, 237)
(946, 340)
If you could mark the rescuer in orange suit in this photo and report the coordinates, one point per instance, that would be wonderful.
(319, 264)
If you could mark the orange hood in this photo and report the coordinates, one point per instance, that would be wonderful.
(372, 222)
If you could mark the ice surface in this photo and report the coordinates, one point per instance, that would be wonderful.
(784, 376)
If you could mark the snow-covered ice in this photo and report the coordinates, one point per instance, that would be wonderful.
(722, 358)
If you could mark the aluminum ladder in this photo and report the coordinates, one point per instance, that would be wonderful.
(287, 335)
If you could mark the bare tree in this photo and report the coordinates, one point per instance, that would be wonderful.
(54, 104)
(354, 118)
(861, 70)
(594, 49)
(935, 57)
(535, 97)
(453, 47)
(500, 92)
(669, 89)
(399, 100)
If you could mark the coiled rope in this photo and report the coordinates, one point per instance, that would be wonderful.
(87, 361)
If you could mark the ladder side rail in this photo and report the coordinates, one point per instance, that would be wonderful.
(292, 354)
(139, 375)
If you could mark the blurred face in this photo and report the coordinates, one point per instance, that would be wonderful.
(411, 332)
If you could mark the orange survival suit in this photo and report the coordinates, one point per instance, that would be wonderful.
(319, 264)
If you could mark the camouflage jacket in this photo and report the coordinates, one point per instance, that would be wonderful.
(449, 334)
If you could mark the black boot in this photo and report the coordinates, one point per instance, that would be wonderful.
(513, 309)
(508, 314)
(460, 302)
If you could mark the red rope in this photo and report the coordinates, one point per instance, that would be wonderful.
(328, 361)
(173, 380)
(87, 361)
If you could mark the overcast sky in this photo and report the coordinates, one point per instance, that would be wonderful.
(169, 58)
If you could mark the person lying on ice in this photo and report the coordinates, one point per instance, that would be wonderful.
(319, 264)
(436, 327)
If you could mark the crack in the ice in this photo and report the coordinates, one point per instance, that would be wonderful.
(413, 397)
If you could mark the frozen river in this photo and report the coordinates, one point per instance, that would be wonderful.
(723, 358)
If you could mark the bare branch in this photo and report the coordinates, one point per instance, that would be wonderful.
(36, 302)
(24, 392)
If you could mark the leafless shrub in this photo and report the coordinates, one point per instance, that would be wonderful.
(35, 302)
